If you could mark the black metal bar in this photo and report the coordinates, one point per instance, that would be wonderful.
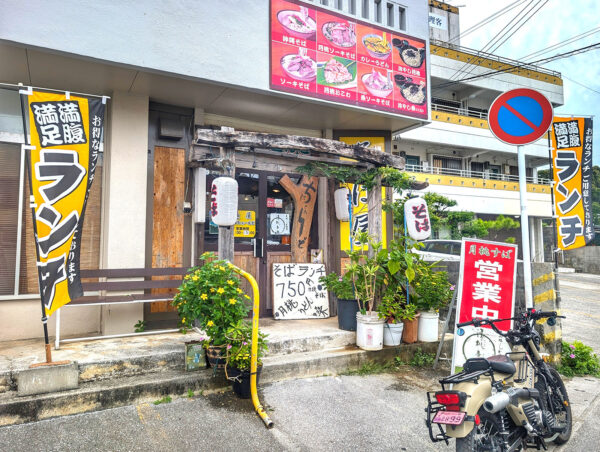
(554, 233)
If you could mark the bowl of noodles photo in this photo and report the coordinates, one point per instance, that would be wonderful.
(377, 46)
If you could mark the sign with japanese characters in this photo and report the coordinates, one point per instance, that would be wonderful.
(417, 218)
(323, 54)
(358, 197)
(66, 135)
(245, 226)
(298, 293)
(572, 174)
(437, 21)
(486, 290)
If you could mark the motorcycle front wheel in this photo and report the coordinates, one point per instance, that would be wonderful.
(483, 437)
(561, 409)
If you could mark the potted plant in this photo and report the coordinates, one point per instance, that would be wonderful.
(432, 292)
(210, 296)
(347, 306)
(394, 310)
(368, 278)
(238, 357)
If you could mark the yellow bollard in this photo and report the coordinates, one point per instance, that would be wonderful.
(254, 350)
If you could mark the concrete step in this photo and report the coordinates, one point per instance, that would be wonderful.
(106, 393)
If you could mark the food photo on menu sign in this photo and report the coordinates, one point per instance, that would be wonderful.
(318, 53)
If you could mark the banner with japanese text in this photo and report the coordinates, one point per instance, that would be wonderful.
(65, 141)
(572, 176)
(358, 198)
(486, 290)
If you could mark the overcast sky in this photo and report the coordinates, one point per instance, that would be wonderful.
(556, 21)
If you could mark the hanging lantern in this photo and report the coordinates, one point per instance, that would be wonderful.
(341, 204)
(416, 215)
(224, 201)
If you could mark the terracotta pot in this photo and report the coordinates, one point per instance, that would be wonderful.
(411, 330)
(215, 356)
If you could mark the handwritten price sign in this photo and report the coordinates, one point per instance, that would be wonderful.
(297, 292)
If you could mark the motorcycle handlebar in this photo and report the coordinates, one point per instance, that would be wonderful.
(531, 314)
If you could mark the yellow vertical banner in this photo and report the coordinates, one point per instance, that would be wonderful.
(572, 176)
(65, 141)
(358, 198)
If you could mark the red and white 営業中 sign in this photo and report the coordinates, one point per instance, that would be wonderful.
(486, 291)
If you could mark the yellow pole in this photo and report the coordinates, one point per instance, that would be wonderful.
(254, 350)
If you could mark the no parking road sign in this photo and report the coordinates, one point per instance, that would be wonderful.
(520, 116)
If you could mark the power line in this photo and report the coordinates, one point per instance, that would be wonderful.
(513, 68)
(487, 20)
(491, 42)
(561, 44)
(496, 47)
(581, 84)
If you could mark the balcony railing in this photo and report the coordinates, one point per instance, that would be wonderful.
(473, 113)
(475, 174)
(491, 56)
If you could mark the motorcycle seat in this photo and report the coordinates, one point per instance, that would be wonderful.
(502, 363)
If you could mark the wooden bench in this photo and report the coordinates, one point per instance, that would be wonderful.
(103, 283)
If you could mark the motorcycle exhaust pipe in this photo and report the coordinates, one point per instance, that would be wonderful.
(500, 400)
(497, 402)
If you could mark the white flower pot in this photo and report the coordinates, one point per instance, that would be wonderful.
(369, 331)
(392, 333)
(429, 327)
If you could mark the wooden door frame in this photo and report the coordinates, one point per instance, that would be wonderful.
(262, 263)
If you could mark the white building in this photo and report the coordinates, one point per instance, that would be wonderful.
(456, 153)
(169, 66)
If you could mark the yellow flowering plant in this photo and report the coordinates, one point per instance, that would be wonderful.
(239, 345)
(211, 295)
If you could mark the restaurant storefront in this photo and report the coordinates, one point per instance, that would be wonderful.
(148, 208)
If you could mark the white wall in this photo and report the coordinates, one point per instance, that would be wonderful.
(443, 133)
(221, 40)
(494, 202)
(124, 210)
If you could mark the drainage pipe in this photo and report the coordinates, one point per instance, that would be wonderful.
(254, 350)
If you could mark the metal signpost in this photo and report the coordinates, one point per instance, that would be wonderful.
(521, 116)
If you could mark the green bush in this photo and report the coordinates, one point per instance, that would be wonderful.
(578, 359)
(212, 295)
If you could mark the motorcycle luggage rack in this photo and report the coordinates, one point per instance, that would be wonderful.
(465, 376)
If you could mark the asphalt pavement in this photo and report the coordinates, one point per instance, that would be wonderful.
(330, 413)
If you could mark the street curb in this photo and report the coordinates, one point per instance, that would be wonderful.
(110, 393)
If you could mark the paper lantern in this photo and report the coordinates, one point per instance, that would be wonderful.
(224, 201)
(341, 204)
(417, 219)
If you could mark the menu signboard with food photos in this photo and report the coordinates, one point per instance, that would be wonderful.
(322, 54)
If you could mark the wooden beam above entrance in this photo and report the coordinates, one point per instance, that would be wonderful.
(253, 140)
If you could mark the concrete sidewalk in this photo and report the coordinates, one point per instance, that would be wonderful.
(118, 372)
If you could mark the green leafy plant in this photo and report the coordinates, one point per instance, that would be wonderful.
(366, 273)
(394, 311)
(239, 345)
(165, 399)
(190, 393)
(211, 294)
(341, 286)
(422, 359)
(389, 176)
(140, 326)
(578, 359)
(432, 288)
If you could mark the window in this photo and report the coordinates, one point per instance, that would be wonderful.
(413, 160)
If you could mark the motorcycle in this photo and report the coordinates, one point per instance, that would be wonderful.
(506, 402)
